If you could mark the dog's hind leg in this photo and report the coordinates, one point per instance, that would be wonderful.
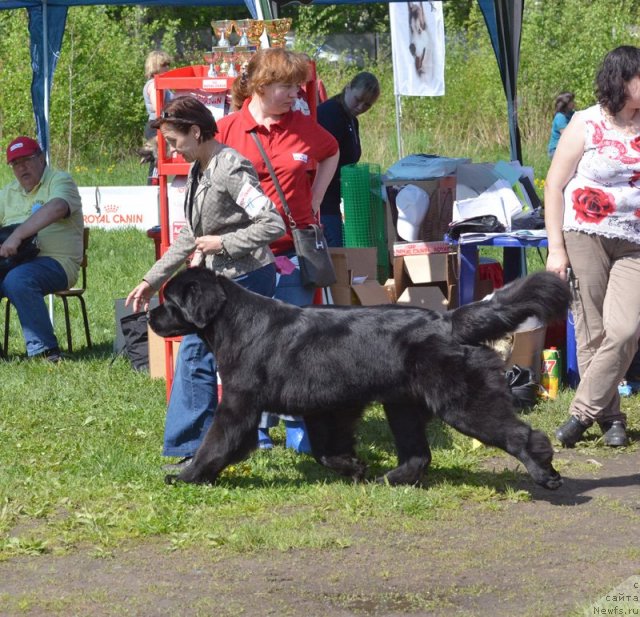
(407, 422)
(230, 438)
(332, 438)
(494, 423)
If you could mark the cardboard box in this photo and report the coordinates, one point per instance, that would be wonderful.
(157, 355)
(390, 288)
(419, 248)
(430, 268)
(356, 274)
(433, 270)
(527, 350)
(350, 262)
(369, 293)
(428, 296)
(442, 194)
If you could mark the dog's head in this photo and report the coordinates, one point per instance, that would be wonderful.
(418, 35)
(192, 300)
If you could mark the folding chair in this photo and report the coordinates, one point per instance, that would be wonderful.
(72, 292)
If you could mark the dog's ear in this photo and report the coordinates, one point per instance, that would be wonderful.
(201, 303)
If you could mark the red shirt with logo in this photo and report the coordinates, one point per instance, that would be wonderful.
(295, 145)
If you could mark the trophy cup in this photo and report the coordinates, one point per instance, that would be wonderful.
(277, 29)
(254, 31)
(241, 26)
(211, 58)
(243, 56)
(232, 57)
(222, 28)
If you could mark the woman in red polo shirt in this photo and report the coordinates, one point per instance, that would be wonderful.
(304, 156)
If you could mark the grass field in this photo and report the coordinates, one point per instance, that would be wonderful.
(81, 445)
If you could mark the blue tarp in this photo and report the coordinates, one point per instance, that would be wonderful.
(47, 22)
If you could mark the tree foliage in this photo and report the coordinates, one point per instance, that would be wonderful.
(97, 109)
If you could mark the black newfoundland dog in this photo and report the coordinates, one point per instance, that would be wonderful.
(328, 363)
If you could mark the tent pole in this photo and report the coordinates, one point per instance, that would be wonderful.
(264, 9)
(45, 64)
(398, 127)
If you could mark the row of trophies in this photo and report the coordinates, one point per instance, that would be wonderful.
(250, 31)
(227, 61)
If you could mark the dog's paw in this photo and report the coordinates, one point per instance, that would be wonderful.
(171, 478)
(409, 473)
(359, 472)
(554, 482)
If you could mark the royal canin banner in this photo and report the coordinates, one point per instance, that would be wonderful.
(117, 207)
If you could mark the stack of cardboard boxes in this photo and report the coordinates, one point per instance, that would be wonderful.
(425, 274)
(426, 277)
(357, 277)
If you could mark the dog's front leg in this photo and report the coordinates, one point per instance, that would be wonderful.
(230, 438)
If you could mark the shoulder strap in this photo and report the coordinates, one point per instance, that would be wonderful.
(285, 206)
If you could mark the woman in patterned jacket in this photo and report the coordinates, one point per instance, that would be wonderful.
(230, 224)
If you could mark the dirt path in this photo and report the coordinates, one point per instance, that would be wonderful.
(549, 556)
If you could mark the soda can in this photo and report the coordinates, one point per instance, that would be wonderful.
(550, 378)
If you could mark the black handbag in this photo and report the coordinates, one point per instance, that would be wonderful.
(27, 250)
(524, 389)
(316, 266)
(487, 223)
(136, 340)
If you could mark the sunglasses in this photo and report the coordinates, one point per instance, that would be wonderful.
(167, 115)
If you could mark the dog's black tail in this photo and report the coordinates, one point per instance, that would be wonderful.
(543, 295)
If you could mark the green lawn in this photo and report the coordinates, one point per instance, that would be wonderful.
(81, 441)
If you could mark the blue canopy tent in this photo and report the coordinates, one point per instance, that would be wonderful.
(47, 20)
(504, 22)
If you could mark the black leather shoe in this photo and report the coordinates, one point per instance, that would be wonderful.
(53, 355)
(571, 431)
(615, 434)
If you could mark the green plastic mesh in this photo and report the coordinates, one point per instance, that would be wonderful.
(364, 216)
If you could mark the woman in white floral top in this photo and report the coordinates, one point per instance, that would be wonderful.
(592, 214)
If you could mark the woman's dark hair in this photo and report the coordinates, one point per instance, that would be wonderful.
(184, 112)
(618, 68)
(367, 83)
(563, 100)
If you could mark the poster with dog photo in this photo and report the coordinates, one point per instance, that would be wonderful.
(417, 43)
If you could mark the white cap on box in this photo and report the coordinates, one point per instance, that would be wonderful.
(412, 203)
